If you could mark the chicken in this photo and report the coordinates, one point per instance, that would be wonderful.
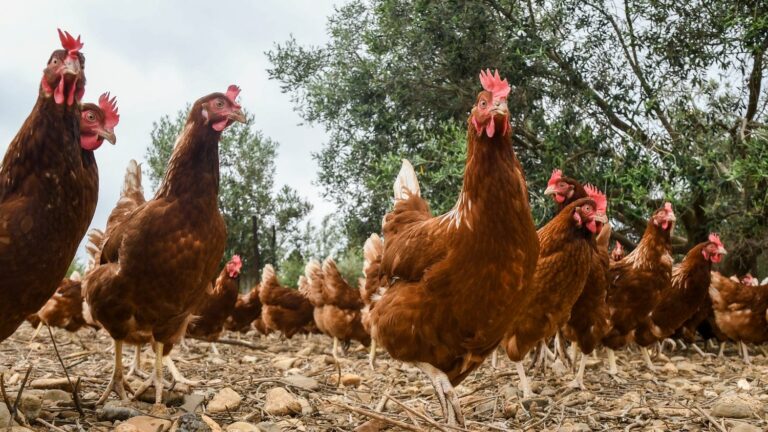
(217, 305)
(617, 254)
(157, 260)
(690, 283)
(49, 186)
(283, 309)
(589, 322)
(246, 313)
(369, 286)
(451, 285)
(338, 306)
(637, 281)
(740, 311)
(64, 309)
(566, 247)
(564, 190)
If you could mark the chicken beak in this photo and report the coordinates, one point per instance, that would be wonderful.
(500, 108)
(550, 190)
(108, 135)
(237, 115)
(602, 218)
(721, 250)
(71, 66)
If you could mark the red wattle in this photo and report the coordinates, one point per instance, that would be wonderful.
(490, 128)
(592, 226)
(220, 125)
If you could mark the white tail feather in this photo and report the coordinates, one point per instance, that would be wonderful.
(132, 182)
(406, 183)
(93, 247)
(268, 273)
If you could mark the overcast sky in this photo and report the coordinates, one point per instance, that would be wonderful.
(156, 56)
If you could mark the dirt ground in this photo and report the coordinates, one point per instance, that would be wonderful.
(688, 392)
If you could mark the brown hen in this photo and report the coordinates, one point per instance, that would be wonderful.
(433, 311)
(156, 264)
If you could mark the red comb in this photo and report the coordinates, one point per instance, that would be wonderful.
(493, 83)
(668, 206)
(618, 246)
(232, 92)
(556, 176)
(600, 199)
(714, 238)
(236, 260)
(109, 107)
(69, 43)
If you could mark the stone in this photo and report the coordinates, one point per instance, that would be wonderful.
(686, 366)
(192, 401)
(212, 425)
(306, 407)
(31, 403)
(351, 380)
(5, 416)
(302, 382)
(744, 385)
(306, 351)
(243, 427)
(117, 410)
(732, 408)
(225, 400)
(55, 396)
(574, 427)
(147, 424)
(268, 427)
(279, 402)
(284, 363)
(744, 427)
(190, 422)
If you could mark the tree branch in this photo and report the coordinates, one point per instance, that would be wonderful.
(755, 86)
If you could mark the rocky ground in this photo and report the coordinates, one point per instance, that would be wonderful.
(278, 385)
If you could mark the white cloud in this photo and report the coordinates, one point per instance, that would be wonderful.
(157, 56)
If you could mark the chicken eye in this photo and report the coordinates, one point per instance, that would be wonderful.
(55, 61)
(483, 104)
(219, 103)
(90, 116)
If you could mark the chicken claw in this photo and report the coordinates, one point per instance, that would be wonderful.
(156, 378)
(176, 373)
(524, 383)
(136, 365)
(578, 381)
(647, 359)
(446, 395)
(117, 382)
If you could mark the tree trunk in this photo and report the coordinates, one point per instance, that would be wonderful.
(274, 246)
(256, 251)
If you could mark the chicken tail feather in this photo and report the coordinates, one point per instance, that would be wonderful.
(132, 182)
(406, 183)
(93, 247)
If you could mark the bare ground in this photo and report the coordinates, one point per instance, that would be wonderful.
(688, 392)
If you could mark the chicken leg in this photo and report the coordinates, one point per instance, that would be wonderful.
(372, 355)
(176, 373)
(647, 359)
(578, 381)
(156, 378)
(744, 352)
(446, 395)
(117, 382)
(524, 384)
(612, 368)
(136, 364)
(495, 358)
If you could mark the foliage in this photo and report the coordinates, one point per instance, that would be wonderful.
(76, 266)
(247, 190)
(649, 100)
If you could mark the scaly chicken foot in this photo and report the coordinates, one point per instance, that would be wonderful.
(525, 385)
(744, 352)
(156, 378)
(578, 380)
(495, 358)
(136, 365)
(449, 400)
(647, 359)
(176, 373)
(117, 382)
